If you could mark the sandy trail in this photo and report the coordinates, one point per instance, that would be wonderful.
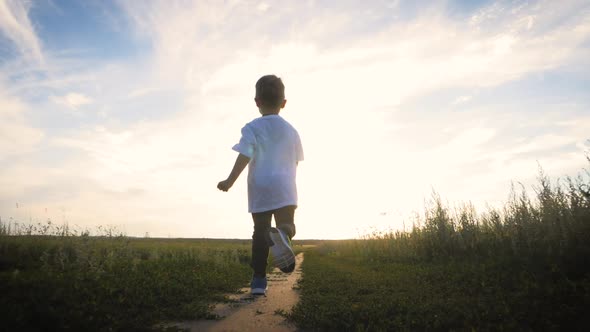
(260, 313)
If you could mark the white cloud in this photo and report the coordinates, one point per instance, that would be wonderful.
(17, 137)
(141, 92)
(461, 100)
(403, 60)
(16, 26)
(72, 100)
(263, 6)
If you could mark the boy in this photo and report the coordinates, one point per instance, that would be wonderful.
(272, 149)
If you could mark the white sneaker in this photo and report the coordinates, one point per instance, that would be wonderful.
(281, 250)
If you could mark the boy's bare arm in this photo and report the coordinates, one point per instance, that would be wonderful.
(239, 166)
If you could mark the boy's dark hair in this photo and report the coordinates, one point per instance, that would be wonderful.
(270, 90)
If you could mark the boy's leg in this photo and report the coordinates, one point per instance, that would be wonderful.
(262, 222)
(282, 251)
(285, 219)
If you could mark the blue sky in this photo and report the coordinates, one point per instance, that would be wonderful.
(124, 113)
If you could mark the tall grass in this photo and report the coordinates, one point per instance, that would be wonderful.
(522, 267)
(13, 227)
(551, 228)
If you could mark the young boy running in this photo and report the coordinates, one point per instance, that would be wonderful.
(272, 148)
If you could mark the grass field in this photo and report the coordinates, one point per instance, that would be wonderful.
(83, 283)
(523, 267)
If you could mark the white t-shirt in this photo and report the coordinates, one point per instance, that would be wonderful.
(274, 148)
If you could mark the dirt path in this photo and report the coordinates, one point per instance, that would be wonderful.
(260, 313)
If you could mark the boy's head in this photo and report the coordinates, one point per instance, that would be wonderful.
(270, 94)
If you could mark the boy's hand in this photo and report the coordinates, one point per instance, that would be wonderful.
(224, 185)
(241, 163)
(239, 166)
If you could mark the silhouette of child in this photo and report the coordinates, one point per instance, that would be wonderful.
(272, 149)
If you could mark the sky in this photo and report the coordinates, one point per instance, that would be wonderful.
(123, 113)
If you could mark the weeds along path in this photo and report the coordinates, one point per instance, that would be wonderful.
(261, 313)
